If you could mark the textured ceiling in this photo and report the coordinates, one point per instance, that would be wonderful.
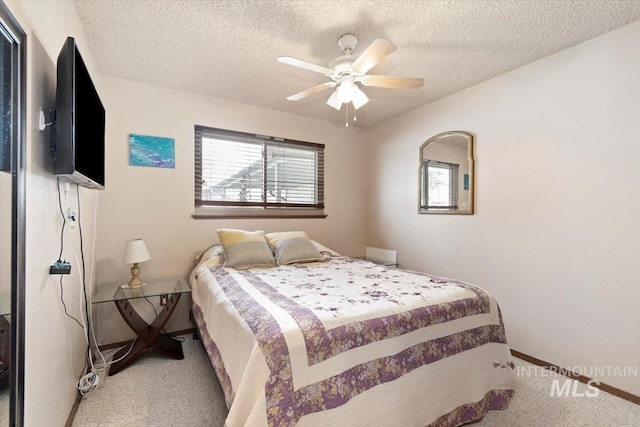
(228, 49)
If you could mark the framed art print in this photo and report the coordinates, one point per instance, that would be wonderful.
(152, 151)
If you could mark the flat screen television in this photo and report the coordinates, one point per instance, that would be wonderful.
(79, 122)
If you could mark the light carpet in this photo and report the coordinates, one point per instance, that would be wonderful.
(159, 392)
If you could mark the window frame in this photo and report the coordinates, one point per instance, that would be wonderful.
(255, 209)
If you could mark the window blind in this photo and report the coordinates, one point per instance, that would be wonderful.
(236, 169)
(442, 179)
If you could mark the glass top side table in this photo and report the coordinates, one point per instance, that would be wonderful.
(113, 292)
(150, 335)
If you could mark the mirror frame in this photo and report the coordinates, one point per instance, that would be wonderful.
(472, 184)
(18, 202)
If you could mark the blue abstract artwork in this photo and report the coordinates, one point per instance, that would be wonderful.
(152, 151)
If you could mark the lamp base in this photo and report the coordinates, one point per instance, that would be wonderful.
(135, 281)
(128, 286)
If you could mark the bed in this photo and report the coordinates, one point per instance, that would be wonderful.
(333, 340)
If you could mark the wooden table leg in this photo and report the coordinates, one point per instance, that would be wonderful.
(149, 335)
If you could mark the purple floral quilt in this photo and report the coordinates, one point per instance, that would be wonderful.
(348, 342)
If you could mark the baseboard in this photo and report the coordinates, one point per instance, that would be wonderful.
(123, 343)
(74, 409)
(583, 379)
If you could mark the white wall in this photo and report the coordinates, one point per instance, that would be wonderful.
(55, 344)
(156, 204)
(556, 234)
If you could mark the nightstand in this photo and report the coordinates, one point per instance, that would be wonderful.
(149, 334)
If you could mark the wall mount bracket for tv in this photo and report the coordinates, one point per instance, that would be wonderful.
(42, 125)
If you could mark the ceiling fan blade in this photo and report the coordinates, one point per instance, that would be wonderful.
(315, 89)
(393, 82)
(334, 101)
(359, 98)
(373, 55)
(306, 65)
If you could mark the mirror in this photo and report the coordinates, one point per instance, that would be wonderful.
(446, 182)
(12, 217)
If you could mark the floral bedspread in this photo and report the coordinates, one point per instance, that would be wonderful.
(328, 332)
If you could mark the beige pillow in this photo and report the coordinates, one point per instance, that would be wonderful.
(245, 248)
(293, 246)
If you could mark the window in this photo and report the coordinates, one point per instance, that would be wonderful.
(441, 189)
(240, 174)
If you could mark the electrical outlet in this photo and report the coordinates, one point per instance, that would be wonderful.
(72, 216)
(164, 299)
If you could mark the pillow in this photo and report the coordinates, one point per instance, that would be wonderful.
(214, 250)
(292, 246)
(245, 248)
(213, 255)
(325, 250)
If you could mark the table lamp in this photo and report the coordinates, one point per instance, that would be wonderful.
(135, 251)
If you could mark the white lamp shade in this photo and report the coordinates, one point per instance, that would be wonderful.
(135, 251)
(334, 101)
(359, 98)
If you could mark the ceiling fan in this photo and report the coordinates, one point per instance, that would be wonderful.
(347, 71)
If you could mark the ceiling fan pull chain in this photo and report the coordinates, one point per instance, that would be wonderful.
(354, 114)
(346, 111)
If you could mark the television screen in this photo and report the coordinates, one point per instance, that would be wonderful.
(80, 122)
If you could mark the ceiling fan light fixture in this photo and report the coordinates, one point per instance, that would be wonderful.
(347, 89)
(347, 71)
